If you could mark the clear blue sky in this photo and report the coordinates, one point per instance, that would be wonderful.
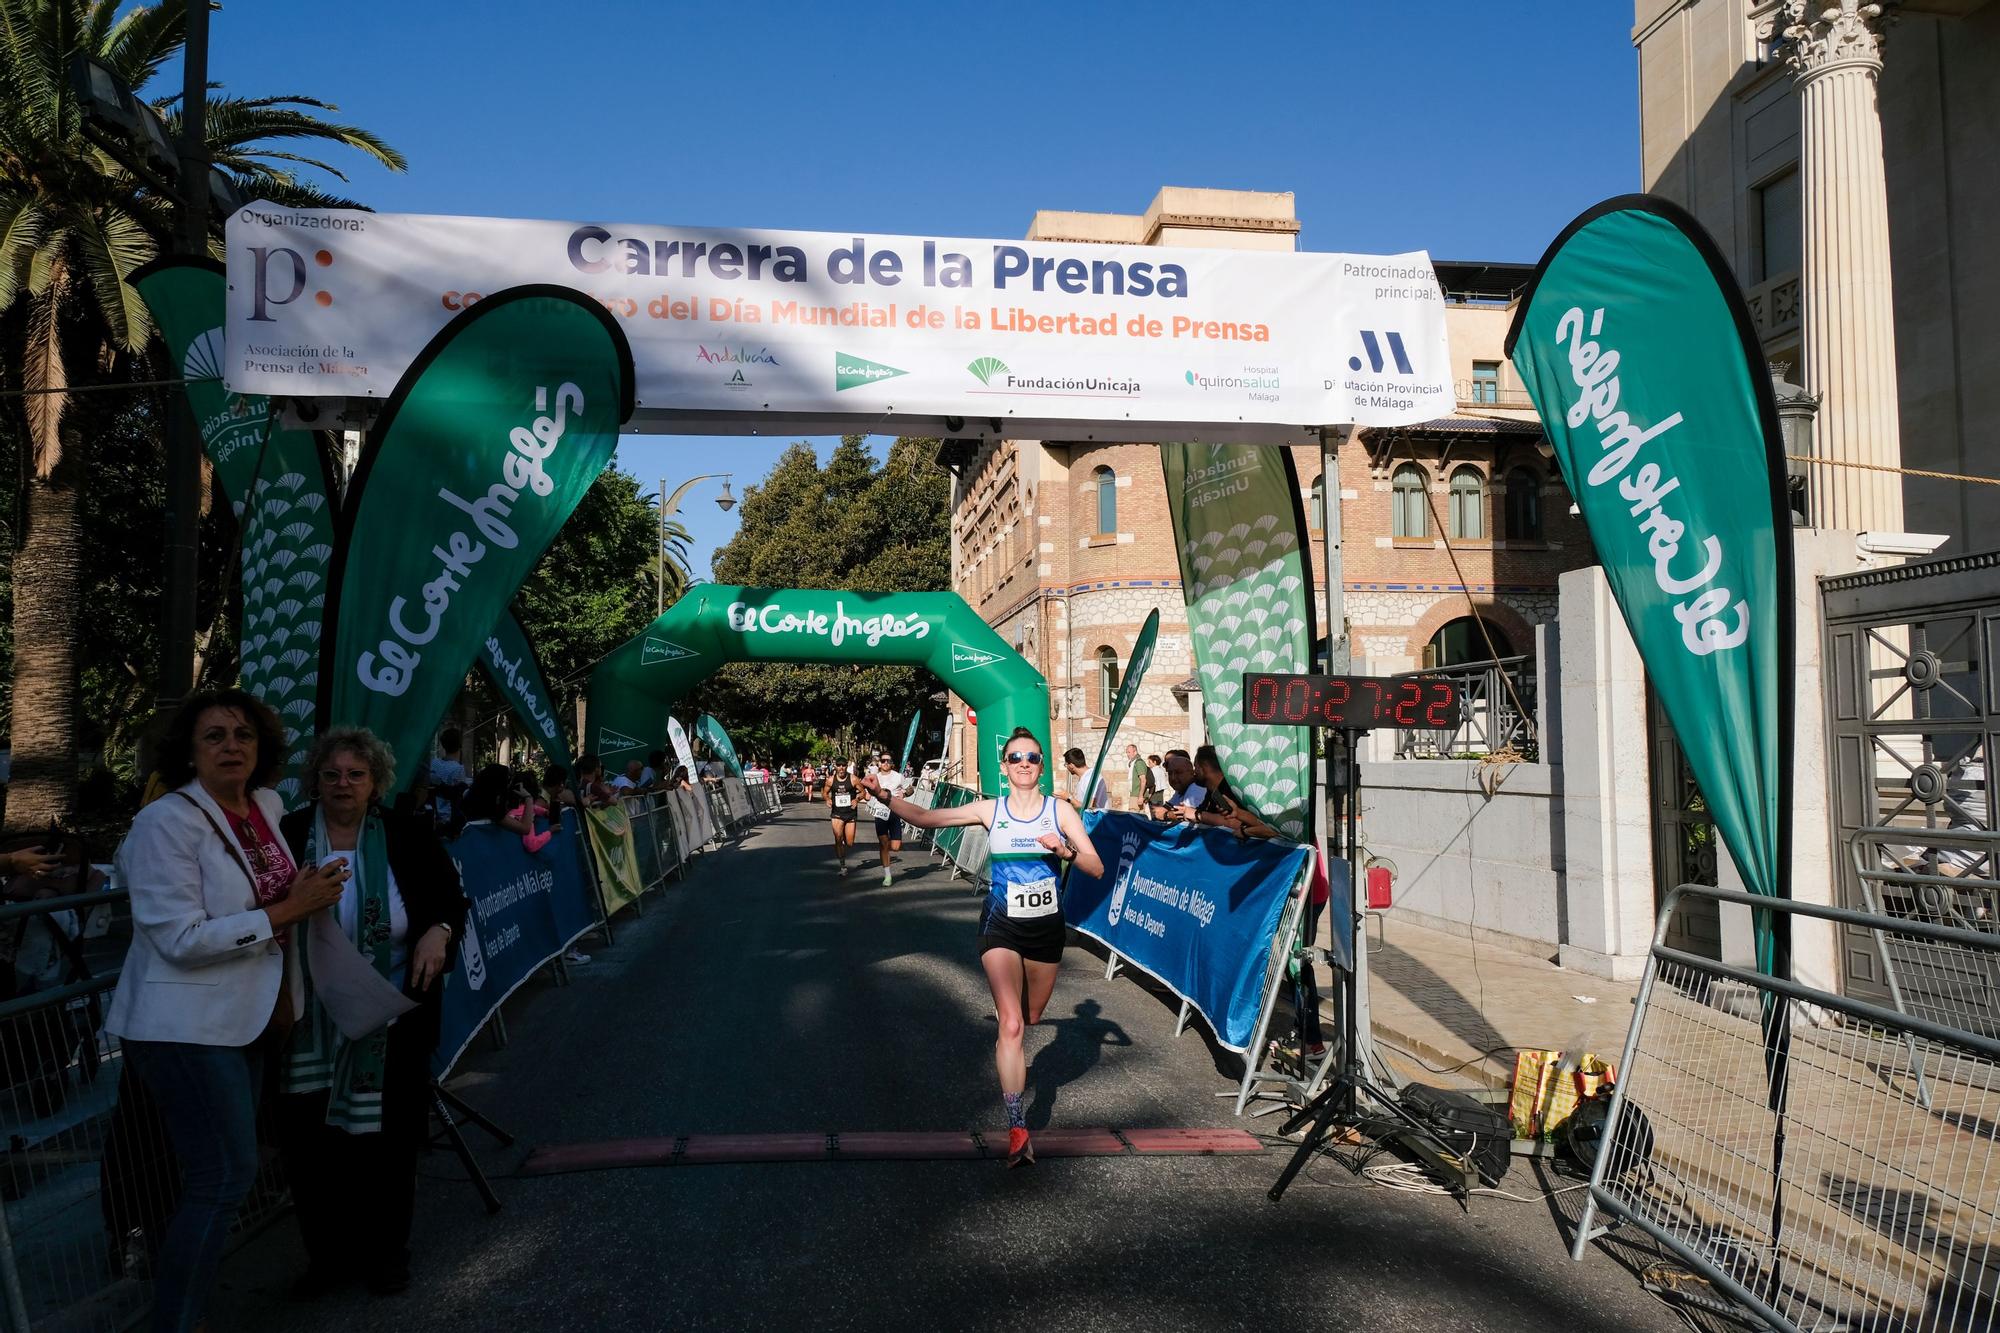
(1472, 130)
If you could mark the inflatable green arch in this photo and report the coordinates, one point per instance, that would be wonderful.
(715, 624)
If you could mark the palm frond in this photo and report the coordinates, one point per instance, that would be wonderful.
(47, 378)
(284, 189)
(246, 161)
(143, 40)
(23, 227)
(31, 64)
(111, 247)
(234, 123)
(46, 266)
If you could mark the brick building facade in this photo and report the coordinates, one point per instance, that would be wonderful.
(1065, 547)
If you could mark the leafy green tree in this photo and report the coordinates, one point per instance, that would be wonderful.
(74, 224)
(851, 525)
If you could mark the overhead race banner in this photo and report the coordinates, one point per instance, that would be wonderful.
(719, 743)
(1245, 572)
(714, 624)
(1651, 383)
(1128, 689)
(526, 909)
(279, 489)
(732, 327)
(483, 451)
(1196, 907)
(510, 663)
(683, 752)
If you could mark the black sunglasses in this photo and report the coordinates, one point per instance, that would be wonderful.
(1022, 757)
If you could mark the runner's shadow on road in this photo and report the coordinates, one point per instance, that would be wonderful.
(1079, 1044)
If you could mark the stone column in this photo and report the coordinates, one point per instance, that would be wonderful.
(1849, 334)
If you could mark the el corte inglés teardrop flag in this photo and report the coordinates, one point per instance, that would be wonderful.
(1635, 344)
(1136, 666)
(718, 741)
(510, 663)
(1245, 573)
(479, 458)
(280, 490)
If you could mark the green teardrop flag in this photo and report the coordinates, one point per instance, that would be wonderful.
(510, 663)
(1128, 689)
(718, 740)
(1649, 379)
(483, 451)
(910, 740)
(281, 492)
(1239, 532)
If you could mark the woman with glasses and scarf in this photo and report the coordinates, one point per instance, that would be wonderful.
(210, 984)
(1021, 930)
(354, 1114)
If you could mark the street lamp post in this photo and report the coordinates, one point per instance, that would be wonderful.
(671, 504)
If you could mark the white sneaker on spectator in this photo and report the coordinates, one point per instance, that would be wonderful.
(575, 957)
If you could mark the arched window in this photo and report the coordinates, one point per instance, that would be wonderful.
(1107, 680)
(1317, 516)
(1107, 501)
(1412, 513)
(1461, 641)
(1524, 506)
(1468, 503)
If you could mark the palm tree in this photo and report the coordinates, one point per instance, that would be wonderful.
(73, 225)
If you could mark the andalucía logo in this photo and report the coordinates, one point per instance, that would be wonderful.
(742, 356)
(851, 372)
(1128, 854)
(611, 742)
(965, 658)
(986, 367)
(736, 381)
(661, 650)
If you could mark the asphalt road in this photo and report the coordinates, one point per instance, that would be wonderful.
(764, 994)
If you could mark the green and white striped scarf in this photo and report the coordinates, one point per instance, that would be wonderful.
(317, 1056)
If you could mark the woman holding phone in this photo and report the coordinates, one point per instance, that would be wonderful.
(1021, 930)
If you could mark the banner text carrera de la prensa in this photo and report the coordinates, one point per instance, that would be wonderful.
(593, 249)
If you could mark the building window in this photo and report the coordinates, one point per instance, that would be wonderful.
(1411, 517)
(1462, 641)
(1107, 501)
(1107, 680)
(1468, 503)
(1486, 381)
(1316, 516)
(1780, 233)
(1524, 506)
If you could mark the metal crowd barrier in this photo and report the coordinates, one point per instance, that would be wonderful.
(87, 1175)
(963, 846)
(1837, 1173)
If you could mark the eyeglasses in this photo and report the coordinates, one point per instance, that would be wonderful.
(1023, 757)
(352, 777)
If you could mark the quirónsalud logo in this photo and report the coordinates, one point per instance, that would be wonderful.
(851, 372)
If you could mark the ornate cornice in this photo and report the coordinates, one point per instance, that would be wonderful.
(1824, 35)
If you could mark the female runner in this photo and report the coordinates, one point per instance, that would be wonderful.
(1021, 931)
(842, 793)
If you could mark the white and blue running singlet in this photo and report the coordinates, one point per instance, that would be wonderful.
(1025, 889)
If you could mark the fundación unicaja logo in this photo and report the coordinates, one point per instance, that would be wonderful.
(1128, 857)
(851, 372)
(986, 367)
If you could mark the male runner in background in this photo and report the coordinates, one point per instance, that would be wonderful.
(888, 828)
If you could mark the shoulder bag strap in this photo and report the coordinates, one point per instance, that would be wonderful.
(229, 844)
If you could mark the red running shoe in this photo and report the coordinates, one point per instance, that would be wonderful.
(1020, 1152)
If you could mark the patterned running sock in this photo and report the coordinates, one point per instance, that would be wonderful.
(1017, 1114)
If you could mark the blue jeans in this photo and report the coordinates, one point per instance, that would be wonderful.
(208, 1097)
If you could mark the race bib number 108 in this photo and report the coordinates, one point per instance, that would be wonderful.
(1031, 900)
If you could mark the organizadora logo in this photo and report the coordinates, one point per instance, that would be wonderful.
(853, 372)
(1259, 384)
(999, 377)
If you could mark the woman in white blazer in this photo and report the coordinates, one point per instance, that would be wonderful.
(208, 983)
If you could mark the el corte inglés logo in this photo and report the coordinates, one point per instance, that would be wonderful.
(654, 651)
(851, 372)
(965, 658)
(611, 742)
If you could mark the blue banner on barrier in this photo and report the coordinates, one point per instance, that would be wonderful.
(1195, 907)
(526, 907)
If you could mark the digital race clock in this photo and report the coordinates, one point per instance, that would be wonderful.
(1351, 703)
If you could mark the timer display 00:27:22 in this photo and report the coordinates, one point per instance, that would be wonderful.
(1356, 703)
